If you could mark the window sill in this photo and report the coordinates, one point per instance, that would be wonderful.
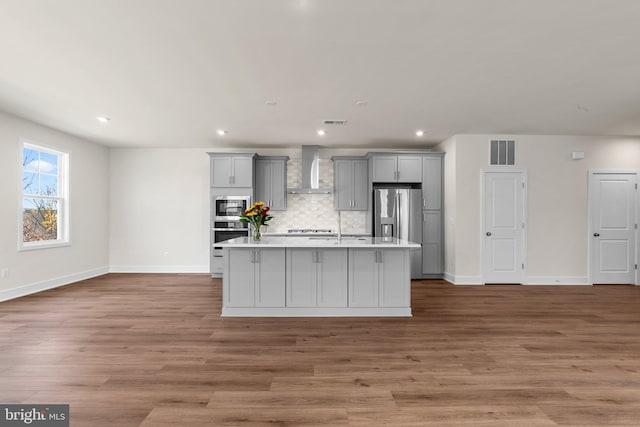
(36, 246)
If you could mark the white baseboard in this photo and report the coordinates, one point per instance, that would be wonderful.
(531, 280)
(462, 280)
(50, 284)
(557, 280)
(449, 278)
(159, 269)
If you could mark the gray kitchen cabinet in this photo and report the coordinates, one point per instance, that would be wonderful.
(316, 277)
(409, 168)
(394, 269)
(255, 277)
(231, 169)
(385, 168)
(432, 247)
(379, 278)
(432, 182)
(432, 215)
(271, 181)
(350, 184)
(402, 168)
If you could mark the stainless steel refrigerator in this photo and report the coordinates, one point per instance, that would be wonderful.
(397, 212)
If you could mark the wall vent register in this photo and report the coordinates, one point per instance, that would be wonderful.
(502, 152)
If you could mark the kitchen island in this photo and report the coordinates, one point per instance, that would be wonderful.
(316, 276)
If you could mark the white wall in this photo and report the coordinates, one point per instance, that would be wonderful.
(159, 207)
(159, 210)
(557, 200)
(87, 255)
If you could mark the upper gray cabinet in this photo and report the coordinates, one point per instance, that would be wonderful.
(432, 182)
(397, 168)
(350, 184)
(271, 181)
(232, 169)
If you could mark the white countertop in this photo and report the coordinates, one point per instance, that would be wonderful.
(318, 242)
(279, 234)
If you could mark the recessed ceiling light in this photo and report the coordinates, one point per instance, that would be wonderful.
(362, 103)
(322, 132)
(271, 103)
(419, 132)
(221, 132)
(103, 119)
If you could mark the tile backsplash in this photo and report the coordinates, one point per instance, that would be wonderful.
(314, 210)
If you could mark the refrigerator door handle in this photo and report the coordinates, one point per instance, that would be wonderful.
(399, 218)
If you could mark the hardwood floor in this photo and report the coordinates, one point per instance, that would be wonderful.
(151, 350)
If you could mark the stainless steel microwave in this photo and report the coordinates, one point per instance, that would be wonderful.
(230, 207)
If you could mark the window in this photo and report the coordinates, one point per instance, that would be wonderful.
(44, 217)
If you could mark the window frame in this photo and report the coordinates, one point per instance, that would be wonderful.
(62, 198)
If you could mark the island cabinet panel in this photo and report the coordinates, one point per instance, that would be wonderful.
(393, 273)
(316, 277)
(239, 281)
(254, 277)
(379, 278)
(301, 278)
(269, 277)
(332, 278)
(363, 278)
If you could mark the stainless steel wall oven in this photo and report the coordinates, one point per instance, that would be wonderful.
(226, 220)
(230, 207)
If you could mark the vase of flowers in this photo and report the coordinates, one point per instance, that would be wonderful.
(257, 215)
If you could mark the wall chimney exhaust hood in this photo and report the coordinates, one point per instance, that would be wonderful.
(310, 169)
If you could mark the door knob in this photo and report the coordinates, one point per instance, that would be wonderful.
(488, 233)
(596, 234)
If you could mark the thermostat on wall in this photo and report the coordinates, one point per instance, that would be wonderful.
(577, 155)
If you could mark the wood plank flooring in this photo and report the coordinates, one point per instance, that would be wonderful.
(152, 350)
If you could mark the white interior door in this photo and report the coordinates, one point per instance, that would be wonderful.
(504, 222)
(612, 198)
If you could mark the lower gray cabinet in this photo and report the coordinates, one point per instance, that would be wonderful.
(255, 277)
(432, 262)
(363, 278)
(379, 278)
(316, 277)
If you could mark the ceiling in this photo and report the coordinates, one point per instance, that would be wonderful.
(171, 73)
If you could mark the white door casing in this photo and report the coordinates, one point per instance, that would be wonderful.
(612, 226)
(503, 226)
